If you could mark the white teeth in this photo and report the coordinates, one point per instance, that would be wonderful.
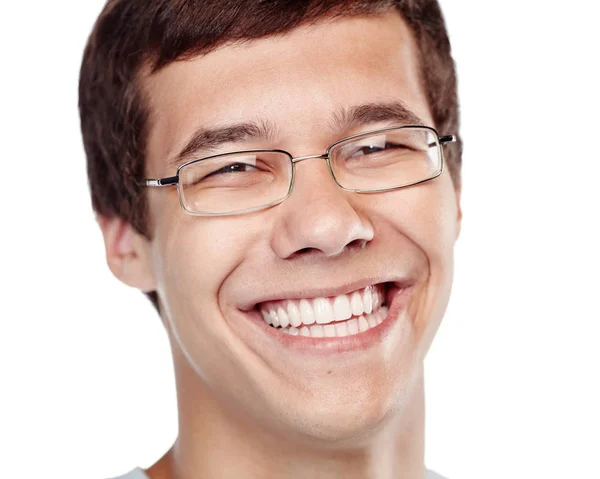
(304, 331)
(284, 320)
(375, 299)
(368, 301)
(362, 324)
(356, 303)
(294, 331)
(341, 330)
(323, 310)
(329, 330)
(353, 326)
(294, 314)
(316, 331)
(274, 318)
(306, 312)
(341, 308)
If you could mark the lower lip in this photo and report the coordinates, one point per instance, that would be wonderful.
(361, 341)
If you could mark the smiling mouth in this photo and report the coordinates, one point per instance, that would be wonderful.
(340, 316)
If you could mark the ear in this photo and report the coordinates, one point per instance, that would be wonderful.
(127, 253)
(458, 191)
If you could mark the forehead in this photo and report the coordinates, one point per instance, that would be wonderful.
(297, 82)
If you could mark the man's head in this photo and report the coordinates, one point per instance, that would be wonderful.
(306, 74)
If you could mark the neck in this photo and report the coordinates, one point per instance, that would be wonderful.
(214, 442)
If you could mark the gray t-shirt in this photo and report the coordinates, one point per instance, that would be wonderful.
(139, 474)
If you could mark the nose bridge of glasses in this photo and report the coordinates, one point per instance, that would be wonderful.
(298, 159)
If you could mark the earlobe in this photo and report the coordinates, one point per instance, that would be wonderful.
(458, 212)
(127, 253)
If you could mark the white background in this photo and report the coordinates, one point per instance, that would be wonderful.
(512, 377)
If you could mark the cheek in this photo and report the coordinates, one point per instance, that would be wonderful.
(426, 216)
(197, 254)
(436, 223)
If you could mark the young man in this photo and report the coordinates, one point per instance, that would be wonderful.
(271, 174)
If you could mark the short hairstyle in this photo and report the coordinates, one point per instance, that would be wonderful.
(132, 35)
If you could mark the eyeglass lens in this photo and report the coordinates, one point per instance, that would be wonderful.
(371, 162)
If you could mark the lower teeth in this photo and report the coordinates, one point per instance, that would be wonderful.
(341, 329)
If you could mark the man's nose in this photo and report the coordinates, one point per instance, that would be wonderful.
(318, 215)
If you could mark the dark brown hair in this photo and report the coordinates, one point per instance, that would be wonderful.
(130, 35)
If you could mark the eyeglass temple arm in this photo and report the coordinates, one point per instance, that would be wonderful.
(171, 180)
(447, 139)
(443, 140)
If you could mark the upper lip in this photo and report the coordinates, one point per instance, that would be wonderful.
(325, 291)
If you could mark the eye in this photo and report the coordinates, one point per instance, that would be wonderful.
(372, 149)
(367, 150)
(233, 168)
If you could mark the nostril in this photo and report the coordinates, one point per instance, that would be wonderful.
(353, 246)
(357, 244)
(305, 252)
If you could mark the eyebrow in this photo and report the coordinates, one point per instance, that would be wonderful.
(343, 119)
(212, 137)
(394, 112)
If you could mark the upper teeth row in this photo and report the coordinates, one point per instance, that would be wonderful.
(296, 312)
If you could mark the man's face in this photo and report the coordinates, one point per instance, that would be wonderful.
(215, 274)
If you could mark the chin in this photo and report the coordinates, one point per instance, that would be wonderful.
(348, 415)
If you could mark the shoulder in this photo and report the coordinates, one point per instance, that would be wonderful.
(137, 473)
(433, 475)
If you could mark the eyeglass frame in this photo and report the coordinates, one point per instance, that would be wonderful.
(174, 180)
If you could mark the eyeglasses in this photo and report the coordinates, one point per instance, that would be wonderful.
(251, 180)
